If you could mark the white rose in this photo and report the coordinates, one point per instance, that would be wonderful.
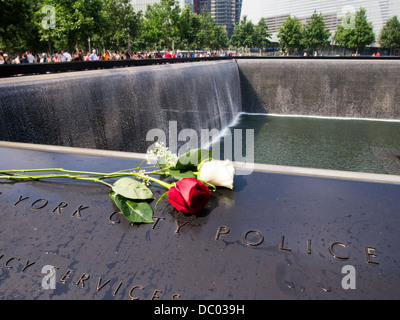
(218, 173)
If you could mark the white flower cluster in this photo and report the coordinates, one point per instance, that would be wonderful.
(161, 155)
(146, 182)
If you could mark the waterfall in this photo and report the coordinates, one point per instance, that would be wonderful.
(115, 109)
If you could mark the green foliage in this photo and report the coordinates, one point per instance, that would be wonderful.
(120, 24)
(246, 34)
(261, 35)
(161, 24)
(243, 34)
(134, 211)
(314, 33)
(189, 27)
(110, 24)
(210, 35)
(390, 34)
(76, 20)
(18, 32)
(291, 34)
(358, 36)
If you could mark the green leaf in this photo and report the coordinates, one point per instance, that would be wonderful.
(164, 195)
(137, 212)
(179, 175)
(132, 189)
(192, 158)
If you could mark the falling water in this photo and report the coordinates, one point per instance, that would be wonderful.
(114, 110)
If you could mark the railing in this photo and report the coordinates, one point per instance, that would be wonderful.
(25, 69)
(53, 67)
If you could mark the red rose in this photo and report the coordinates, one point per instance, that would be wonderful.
(189, 196)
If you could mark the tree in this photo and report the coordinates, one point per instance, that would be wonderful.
(210, 35)
(76, 20)
(243, 34)
(18, 32)
(363, 32)
(189, 27)
(219, 38)
(390, 34)
(261, 35)
(342, 36)
(314, 33)
(290, 34)
(121, 23)
(357, 36)
(161, 24)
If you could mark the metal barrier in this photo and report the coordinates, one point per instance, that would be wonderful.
(42, 68)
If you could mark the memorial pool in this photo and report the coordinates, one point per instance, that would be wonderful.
(360, 145)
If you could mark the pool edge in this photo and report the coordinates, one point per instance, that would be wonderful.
(243, 168)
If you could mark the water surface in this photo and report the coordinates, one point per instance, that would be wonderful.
(326, 143)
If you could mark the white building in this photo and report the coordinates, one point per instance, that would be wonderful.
(275, 12)
(141, 5)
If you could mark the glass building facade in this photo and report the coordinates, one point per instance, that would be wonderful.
(276, 12)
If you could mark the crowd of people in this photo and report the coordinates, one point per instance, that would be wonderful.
(65, 56)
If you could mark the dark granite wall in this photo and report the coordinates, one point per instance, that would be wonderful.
(340, 88)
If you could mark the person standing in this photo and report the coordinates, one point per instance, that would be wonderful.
(62, 57)
(24, 59)
(67, 55)
(56, 57)
(93, 56)
(30, 57)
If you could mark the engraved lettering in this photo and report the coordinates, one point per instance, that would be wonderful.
(34, 207)
(59, 207)
(156, 221)
(335, 255)
(369, 254)
(134, 288)
(179, 226)
(66, 275)
(117, 288)
(27, 265)
(20, 199)
(78, 211)
(82, 279)
(99, 285)
(222, 230)
(110, 218)
(257, 243)
(309, 246)
(155, 295)
(9, 260)
(282, 243)
(175, 296)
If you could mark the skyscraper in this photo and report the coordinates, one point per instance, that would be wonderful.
(203, 5)
(226, 12)
(276, 12)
